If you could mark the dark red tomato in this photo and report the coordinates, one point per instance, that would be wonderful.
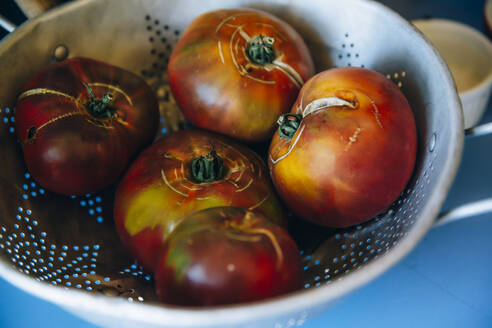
(227, 255)
(235, 71)
(347, 149)
(182, 173)
(81, 121)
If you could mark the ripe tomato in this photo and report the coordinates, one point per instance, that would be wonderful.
(80, 121)
(179, 174)
(226, 255)
(235, 71)
(346, 150)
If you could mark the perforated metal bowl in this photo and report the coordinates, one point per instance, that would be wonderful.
(65, 249)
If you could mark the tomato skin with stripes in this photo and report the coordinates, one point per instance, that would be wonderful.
(221, 85)
(81, 121)
(161, 188)
(227, 255)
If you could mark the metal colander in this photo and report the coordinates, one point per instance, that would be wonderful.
(66, 250)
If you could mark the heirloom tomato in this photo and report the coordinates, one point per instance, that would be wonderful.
(347, 149)
(235, 71)
(179, 174)
(226, 255)
(80, 122)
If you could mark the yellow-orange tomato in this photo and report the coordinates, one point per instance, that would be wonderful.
(235, 71)
(347, 149)
(182, 173)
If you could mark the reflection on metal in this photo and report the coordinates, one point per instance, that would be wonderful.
(6, 24)
(479, 130)
(465, 211)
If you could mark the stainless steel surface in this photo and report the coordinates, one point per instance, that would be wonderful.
(65, 249)
(6, 24)
(464, 211)
(480, 130)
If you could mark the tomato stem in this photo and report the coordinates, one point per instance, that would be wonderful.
(260, 50)
(99, 108)
(207, 168)
(288, 125)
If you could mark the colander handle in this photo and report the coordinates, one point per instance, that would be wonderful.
(479, 130)
(6, 24)
(474, 208)
(32, 8)
(465, 211)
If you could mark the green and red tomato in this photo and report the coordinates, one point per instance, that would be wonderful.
(81, 121)
(346, 150)
(182, 173)
(235, 71)
(227, 255)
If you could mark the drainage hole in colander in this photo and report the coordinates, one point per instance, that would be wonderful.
(30, 190)
(8, 118)
(93, 204)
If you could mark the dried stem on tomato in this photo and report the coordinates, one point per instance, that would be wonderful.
(288, 125)
(207, 168)
(99, 108)
(260, 50)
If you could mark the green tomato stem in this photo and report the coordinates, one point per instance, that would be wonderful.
(99, 108)
(260, 50)
(207, 168)
(288, 125)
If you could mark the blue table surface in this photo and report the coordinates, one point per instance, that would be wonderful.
(444, 282)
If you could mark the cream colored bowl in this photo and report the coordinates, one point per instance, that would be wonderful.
(468, 54)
